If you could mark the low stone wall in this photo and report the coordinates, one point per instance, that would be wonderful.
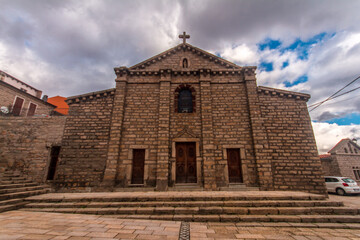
(25, 143)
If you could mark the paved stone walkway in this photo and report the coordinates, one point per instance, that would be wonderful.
(37, 225)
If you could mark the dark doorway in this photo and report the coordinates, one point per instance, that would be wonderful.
(234, 165)
(186, 162)
(54, 156)
(137, 176)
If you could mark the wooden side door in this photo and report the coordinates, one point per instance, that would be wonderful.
(17, 106)
(31, 111)
(137, 176)
(234, 165)
(186, 163)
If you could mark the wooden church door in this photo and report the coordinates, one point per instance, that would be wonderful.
(234, 165)
(186, 162)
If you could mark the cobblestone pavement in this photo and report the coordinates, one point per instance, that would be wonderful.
(350, 201)
(36, 225)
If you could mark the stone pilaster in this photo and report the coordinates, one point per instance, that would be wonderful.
(260, 140)
(162, 165)
(115, 127)
(207, 132)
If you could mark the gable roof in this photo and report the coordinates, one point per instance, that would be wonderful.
(184, 47)
(14, 78)
(341, 143)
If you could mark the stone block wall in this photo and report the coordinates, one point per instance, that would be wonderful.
(330, 166)
(232, 130)
(85, 141)
(139, 131)
(25, 143)
(347, 163)
(292, 146)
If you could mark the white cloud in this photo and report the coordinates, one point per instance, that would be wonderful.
(72, 46)
(327, 135)
(242, 54)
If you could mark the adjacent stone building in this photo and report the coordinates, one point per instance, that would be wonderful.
(29, 136)
(342, 160)
(187, 117)
(18, 98)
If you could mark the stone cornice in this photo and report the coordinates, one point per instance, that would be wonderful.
(123, 71)
(90, 96)
(283, 93)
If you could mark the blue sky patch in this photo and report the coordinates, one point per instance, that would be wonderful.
(352, 118)
(266, 66)
(301, 79)
(269, 43)
(302, 48)
(27, 43)
(285, 64)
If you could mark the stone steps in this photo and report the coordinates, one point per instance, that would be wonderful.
(238, 187)
(11, 201)
(200, 206)
(7, 182)
(14, 188)
(110, 210)
(164, 197)
(22, 189)
(11, 207)
(207, 217)
(238, 204)
(13, 178)
(18, 185)
(23, 194)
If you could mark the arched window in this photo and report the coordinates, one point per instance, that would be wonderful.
(185, 63)
(185, 101)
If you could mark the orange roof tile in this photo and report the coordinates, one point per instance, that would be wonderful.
(61, 105)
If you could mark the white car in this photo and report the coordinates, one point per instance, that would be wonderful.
(341, 185)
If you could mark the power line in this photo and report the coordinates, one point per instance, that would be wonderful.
(333, 95)
(327, 104)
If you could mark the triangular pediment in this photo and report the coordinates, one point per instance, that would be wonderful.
(347, 144)
(186, 133)
(174, 59)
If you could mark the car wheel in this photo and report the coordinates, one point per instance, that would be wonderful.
(340, 192)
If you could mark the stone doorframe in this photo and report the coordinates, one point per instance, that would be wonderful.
(130, 159)
(242, 159)
(198, 158)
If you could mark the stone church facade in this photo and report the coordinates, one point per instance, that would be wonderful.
(187, 117)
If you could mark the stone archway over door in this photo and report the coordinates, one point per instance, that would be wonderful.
(186, 162)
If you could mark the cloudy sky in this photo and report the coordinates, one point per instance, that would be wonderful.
(71, 47)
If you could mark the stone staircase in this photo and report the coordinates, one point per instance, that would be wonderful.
(14, 189)
(220, 206)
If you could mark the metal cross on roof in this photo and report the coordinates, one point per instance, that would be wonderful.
(184, 37)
